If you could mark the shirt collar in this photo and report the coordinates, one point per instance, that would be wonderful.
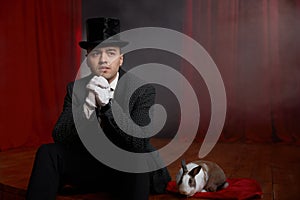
(113, 84)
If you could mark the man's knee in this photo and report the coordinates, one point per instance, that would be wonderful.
(51, 150)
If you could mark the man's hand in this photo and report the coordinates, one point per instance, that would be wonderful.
(90, 100)
(99, 86)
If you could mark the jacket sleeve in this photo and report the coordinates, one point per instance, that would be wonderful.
(65, 131)
(144, 98)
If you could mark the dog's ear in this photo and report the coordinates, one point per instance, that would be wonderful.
(195, 171)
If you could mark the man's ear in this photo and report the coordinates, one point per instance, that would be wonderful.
(121, 59)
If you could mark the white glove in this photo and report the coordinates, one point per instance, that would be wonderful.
(90, 105)
(99, 86)
(90, 100)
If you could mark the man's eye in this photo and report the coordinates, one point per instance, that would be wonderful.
(95, 54)
(111, 53)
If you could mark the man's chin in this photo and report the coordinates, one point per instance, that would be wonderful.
(106, 76)
(101, 73)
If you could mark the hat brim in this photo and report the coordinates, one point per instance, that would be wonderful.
(88, 45)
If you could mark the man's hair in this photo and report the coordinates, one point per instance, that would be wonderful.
(88, 50)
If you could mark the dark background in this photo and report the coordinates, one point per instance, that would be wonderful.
(134, 14)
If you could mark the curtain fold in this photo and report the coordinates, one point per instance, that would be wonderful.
(39, 56)
(256, 46)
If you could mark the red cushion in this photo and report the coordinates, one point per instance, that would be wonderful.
(239, 188)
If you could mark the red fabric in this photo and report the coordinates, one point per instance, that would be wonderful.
(39, 55)
(239, 189)
(256, 46)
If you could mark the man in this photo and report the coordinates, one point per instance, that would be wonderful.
(88, 103)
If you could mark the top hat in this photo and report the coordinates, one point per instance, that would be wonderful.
(102, 32)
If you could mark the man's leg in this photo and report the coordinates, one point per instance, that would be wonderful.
(134, 186)
(45, 176)
(55, 165)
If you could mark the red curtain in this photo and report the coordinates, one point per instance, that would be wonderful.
(256, 46)
(39, 56)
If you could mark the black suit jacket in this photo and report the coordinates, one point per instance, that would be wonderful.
(142, 99)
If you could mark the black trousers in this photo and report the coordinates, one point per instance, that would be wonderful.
(56, 166)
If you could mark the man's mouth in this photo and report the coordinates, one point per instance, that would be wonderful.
(104, 68)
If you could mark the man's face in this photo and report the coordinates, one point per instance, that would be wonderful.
(105, 61)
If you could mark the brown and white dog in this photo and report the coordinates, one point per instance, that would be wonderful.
(200, 176)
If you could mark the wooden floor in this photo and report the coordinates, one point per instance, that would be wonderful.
(274, 166)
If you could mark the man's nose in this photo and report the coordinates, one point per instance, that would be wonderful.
(103, 58)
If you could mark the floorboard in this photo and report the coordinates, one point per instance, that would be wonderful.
(274, 166)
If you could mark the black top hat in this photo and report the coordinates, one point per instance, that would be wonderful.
(102, 31)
